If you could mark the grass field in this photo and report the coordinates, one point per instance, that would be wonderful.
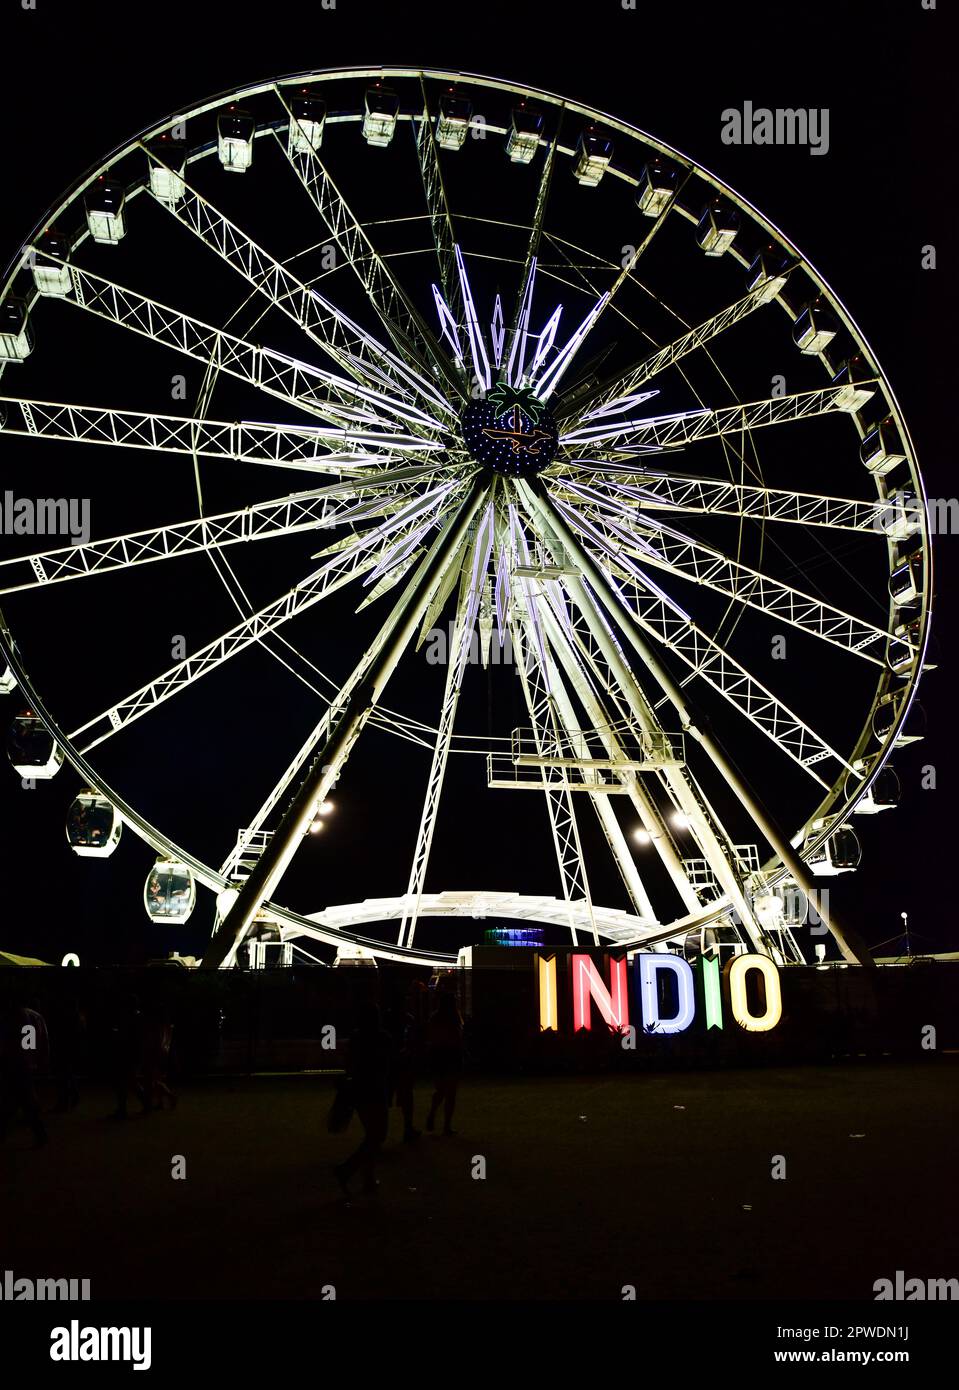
(661, 1182)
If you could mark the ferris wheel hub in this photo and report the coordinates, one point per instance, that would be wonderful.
(511, 432)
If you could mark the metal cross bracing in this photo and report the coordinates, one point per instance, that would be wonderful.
(355, 558)
(652, 489)
(413, 340)
(576, 736)
(309, 388)
(441, 222)
(534, 677)
(666, 621)
(284, 446)
(554, 523)
(528, 276)
(652, 542)
(354, 350)
(281, 516)
(686, 427)
(624, 386)
(591, 676)
(472, 586)
(682, 788)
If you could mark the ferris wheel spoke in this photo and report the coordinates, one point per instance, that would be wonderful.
(441, 221)
(631, 381)
(681, 555)
(354, 350)
(279, 446)
(346, 563)
(400, 318)
(665, 620)
(653, 490)
(280, 516)
(298, 383)
(670, 431)
(521, 313)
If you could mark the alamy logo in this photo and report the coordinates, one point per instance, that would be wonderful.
(900, 1289)
(39, 1290)
(76, 1343)
(780, 126)
(45, 516)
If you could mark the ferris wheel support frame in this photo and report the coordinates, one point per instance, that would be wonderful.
(576, 736)
(642, 803)
(328, 760)
(852, 947)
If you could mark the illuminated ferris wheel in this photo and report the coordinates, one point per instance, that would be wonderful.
(539, 377)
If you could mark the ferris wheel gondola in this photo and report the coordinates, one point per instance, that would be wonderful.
(31, 748)
(93, 826)
(169, 894)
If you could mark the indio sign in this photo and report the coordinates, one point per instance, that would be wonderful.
(664, 991)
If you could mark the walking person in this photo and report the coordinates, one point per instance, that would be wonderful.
(126, 1046)
(24, 1056)
(369, 1066)
(157, 1044)
(67, 1027)
(445, 1038)
(409, 1032)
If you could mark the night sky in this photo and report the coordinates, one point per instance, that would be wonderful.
(90, 77)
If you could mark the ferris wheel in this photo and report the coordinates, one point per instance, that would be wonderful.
(536, 373)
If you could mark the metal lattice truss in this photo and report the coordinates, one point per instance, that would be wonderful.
(672, 431)
(669, 549)
(655, 491)
(396, 312)
(583, 577)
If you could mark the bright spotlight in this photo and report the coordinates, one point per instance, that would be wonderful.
(324, 808)
(680, 820)
(316, 827)
(642, 837)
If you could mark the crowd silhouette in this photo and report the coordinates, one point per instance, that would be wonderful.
(46, 1053)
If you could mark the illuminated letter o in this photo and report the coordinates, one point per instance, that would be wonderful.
(739, 968)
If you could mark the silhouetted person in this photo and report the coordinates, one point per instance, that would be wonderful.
(24, 1055)
(67, 1027)
(369, 1065)
(157, 1043)
(445, 1038)
(410, 1033)
(126, 1041)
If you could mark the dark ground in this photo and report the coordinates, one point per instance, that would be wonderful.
(659, 1181)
